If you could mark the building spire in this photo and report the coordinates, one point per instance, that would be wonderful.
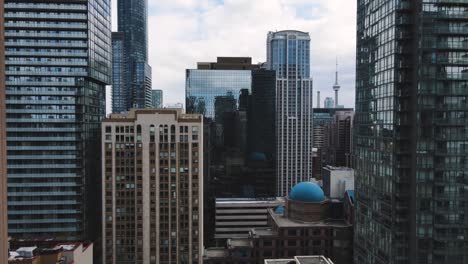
(336, 87)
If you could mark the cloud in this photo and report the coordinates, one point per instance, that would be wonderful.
(184, 32)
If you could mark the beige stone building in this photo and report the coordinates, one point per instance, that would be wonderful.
(152, 187)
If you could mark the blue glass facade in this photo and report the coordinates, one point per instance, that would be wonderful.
(288, 53)
(157, 98)
(119, 93)
(135, 92)
(410, 140)
(205, 87)
(57, 66)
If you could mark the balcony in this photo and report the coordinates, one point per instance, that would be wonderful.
(451, 30)
(36, 15)
(45, 25)
(47, 35)
(48, 7)
(75, 53)
(47, 63)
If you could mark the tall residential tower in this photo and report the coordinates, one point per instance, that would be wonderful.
(152, 186)
(132, 78)
(288, 53)
(3, 170)
(410, 143)
(57, 67)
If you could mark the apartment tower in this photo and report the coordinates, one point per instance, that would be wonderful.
(57, 67)
(288, 53)
(152, 187)
(3, 170)
(132, 77)
(410, 143)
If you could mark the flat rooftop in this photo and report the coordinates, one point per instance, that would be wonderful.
(216, 253)
(282, 221)
(301, 260)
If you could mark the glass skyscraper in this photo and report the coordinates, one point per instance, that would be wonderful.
(120, 94)
(157, 98)
(207, 88)
(288, 53)
(57, 66)
(411, 144)
(237, 99)
(133, 89)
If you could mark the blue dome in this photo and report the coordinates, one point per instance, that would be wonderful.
(279, 210)
(307, 192)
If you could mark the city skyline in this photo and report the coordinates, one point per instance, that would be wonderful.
(196, 31)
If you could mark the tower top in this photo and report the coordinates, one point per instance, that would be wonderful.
(336, 86)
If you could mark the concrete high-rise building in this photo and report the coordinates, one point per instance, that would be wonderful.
(57, 67)
(157, 98)
(410, 143)
(329, 102)
(134, 88)
(288, 53)
(152, 187)
(3, 163)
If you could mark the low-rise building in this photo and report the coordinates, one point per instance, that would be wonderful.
(337, 180)
(235, 217)
(309, 224)
(52, 253)
(301, 260)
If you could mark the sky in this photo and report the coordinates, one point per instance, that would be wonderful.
(184, 32)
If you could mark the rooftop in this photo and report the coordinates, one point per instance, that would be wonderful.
(331, 168)
(216, 253)
(301, 260)
(284, 222)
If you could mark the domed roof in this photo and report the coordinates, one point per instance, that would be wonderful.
(279, 210)
(307, 192)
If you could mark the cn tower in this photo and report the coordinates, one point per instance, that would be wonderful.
(336, 86)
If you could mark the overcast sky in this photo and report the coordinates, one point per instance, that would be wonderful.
(184, 32)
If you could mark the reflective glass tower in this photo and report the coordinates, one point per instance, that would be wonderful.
(157, 98)
(288, 53)
(133, 90)
(237, 100)
(3, 174)
(57, 66)
(410, 144)
(120, 94)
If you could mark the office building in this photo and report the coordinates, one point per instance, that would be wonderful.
(57, 67)
(337, 180)
(235, 217)
(409, 145)
(329, 103)
(288, 53)
(237, 100)
(229, 63)
(3, 169)
(45, 252)
(157, 98)
(152, 187)
(120, 93)
(339, 149)
(134, 88)
(331, 137)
